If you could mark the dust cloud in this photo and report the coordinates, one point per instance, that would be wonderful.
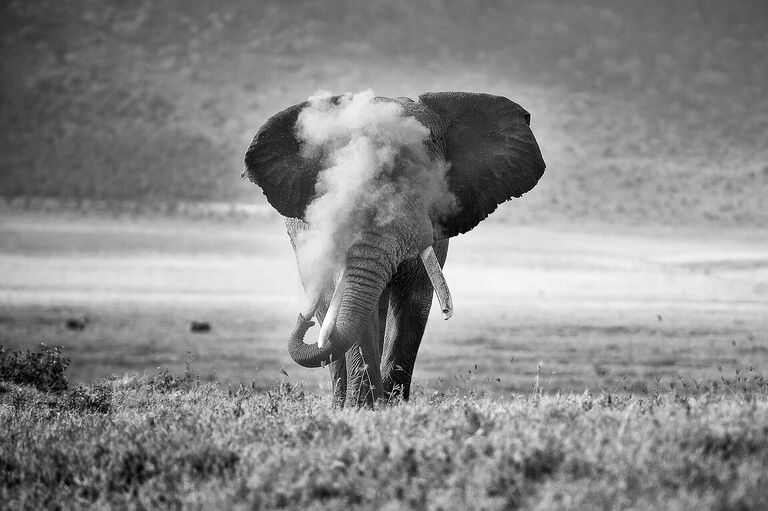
(376, 167)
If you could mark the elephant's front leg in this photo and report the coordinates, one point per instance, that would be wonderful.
(356, 379)
(364, 385)
(338, 370)
(409, 302)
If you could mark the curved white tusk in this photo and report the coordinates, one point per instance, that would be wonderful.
(333, 310)
(310, 307)
(435, 273)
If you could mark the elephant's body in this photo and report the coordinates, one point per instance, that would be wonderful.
(391, 341)
(420, 172)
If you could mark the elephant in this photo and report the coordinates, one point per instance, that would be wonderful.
(374, 312)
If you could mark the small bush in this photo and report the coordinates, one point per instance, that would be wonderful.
(96, 398)
(163, 381)
(43, 369)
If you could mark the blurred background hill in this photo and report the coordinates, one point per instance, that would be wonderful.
(652, 112)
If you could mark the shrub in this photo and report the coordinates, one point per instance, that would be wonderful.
(43, 369)
(164, 381)
(95, 398)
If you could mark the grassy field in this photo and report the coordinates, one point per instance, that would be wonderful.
(586, 367)
(610, 333)
(163, 441)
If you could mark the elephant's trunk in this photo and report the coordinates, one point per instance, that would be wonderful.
(304, 354)
(320, 353)
(370, 266)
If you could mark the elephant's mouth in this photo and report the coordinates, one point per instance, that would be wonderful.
(323, 352)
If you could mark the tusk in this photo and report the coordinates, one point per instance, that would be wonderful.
(310, 307)
(333, 310)
(435, 273)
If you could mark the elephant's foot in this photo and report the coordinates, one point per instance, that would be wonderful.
(397, 388)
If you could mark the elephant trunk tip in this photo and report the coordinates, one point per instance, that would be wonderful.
(310, 355)
(302, 325)
(296, 346)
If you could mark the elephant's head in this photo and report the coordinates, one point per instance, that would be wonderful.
(481, 145)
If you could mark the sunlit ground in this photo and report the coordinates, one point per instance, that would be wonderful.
(583, 307)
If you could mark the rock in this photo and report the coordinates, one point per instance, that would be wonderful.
(76, 324)
(199, 327)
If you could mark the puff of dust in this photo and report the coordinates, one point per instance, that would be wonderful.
(374, 159)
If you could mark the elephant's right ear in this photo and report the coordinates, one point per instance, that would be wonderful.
(492, 152)
(275, 163)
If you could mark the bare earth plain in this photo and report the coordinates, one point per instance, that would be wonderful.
(595, 307)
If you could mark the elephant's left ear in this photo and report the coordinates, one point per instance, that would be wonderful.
(274, 161)
(492, 152)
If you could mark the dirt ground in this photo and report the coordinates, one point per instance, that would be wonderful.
(579, 306)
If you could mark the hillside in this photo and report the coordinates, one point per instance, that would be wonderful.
(651, 112)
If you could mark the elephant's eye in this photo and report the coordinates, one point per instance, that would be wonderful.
(527, 118)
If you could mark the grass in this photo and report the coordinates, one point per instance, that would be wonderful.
(164, 441)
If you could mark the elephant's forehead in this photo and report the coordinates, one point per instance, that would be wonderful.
(426, 116)
(419, 111)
